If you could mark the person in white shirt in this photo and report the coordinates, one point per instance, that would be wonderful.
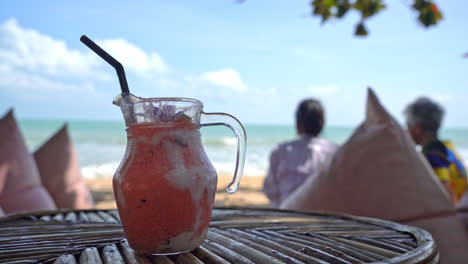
(292, 162)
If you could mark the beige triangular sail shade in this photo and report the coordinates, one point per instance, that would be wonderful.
(448, 234)
(376, 173)
(20, 185)
(375, 113)
(58, 166)
(462, 210)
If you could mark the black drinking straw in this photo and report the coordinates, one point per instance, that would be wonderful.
(117, 65)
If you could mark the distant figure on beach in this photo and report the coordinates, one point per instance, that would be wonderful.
(292, 162)
(423, 118)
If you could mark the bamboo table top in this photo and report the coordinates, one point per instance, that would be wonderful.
(236, 235)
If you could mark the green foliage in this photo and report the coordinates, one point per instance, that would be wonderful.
(361, 30)
(428, 13)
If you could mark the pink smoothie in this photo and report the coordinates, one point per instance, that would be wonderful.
(165, 188)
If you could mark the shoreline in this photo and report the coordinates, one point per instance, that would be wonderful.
(249, 194)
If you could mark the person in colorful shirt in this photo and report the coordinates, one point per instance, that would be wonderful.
(423, 118)
(292, 162)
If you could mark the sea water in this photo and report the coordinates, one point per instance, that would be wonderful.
(101, 144)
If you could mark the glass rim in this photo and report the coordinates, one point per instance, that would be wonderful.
(171, 99)
(140, 100)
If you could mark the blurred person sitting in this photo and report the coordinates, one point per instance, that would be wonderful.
(423, 118)
(291, 163)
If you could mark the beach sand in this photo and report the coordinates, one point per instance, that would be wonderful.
(249, 194)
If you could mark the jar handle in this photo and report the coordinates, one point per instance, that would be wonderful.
(223, 119)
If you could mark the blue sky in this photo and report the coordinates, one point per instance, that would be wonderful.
(254, 60)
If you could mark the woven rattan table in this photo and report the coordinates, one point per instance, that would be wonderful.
(236, 235)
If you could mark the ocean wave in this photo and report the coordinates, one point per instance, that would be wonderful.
(232, 141)
(259, 167)
(107, 170)
(219, 141)
(223, 159)
(228, 168)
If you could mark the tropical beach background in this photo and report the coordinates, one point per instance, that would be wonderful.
(252, 59)
(101, 144)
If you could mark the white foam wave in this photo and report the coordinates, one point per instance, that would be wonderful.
(220, 141)
(230, 141)
(105, 170)
(228, 168)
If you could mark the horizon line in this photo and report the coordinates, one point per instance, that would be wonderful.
(246, 123)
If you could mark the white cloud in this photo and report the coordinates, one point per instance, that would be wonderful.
(228, 78)
(36, 66)
(13, 80)
(134, 58)
(323, 90)
(32, 51)
(28, 50)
